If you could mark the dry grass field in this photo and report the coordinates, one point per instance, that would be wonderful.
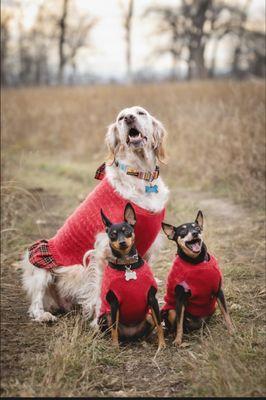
(52, 142)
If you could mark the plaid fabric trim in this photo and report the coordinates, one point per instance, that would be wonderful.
(40, 256)
(100, 172)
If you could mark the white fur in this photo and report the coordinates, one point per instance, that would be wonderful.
(81, 284)
(129, 187)
(76, 284)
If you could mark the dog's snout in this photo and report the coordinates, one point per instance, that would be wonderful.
(130, 118)
(122, 244)
(195, 234)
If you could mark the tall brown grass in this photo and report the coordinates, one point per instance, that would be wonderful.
(52, 141)
(216, 131)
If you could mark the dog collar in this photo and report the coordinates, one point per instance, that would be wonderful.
(145, 175)
(122, 264)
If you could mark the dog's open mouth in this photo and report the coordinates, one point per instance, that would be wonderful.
(194, 245)
(135, 138)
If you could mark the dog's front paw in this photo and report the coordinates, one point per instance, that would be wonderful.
(46, 317)
(94, 324)
(162, 345)
(115, 344)
(178, 341)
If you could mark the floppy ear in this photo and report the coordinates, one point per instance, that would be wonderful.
(159, 136)
(112, 140)
(199, 219)
(169, 230)
(105, 220)
(129, 215)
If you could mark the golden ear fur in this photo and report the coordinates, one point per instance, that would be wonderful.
(112, 141)
(159, 136)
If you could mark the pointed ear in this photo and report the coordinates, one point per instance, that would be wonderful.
(129, 215)
(159, 136)
(169, 230)
(199, 219)
(105, 220)
(112, 140)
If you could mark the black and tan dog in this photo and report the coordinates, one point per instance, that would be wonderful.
(194, 283)
(128, 286)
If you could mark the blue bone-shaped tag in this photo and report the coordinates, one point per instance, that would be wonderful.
(151, 189)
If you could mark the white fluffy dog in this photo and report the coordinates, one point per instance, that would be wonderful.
(135, 141)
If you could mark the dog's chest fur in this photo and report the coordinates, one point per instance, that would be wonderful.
(133, 189)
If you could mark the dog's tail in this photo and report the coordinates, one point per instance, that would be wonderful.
(88, 253)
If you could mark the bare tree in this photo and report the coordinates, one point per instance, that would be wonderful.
(224, 20)
(172, 24)
(5, 36)
(197, 14)
(41, 38)
(185, 24)
(128, 11)
(251, 54)
(190, 27)
(62, 38)
(240, 37)
(73, 35)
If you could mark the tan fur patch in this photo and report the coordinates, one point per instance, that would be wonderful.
(185, 249)
(129, 241)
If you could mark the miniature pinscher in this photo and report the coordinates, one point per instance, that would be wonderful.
(194, 283)
(129, 305)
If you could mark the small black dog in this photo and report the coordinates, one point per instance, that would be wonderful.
(194, 282)
(128, 286)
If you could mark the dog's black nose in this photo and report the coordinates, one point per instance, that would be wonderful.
(122, 245)
(130, 118)
(195, 234)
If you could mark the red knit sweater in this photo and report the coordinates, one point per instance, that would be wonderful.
(132, 295)
(203, 280)
(78, 233)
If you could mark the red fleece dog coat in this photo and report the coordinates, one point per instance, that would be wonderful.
(78, 233)
(132, 294)
(203, 280)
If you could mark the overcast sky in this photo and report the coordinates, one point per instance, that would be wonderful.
(107, 38)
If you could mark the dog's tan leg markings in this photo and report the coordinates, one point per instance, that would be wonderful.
(179, 328)
(172, 317)
(161, 341)
(150, 320)
(114, 330)
(228, 321)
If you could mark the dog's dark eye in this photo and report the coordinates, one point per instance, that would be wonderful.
(127, 233)
(113, 235)
(120, 118)
(141, 113)
(183, 232)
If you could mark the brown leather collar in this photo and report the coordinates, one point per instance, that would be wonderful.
(123, 261)
(123, 267)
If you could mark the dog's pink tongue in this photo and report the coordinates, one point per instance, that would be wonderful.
(195, 247)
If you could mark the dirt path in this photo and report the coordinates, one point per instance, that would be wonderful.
(23, 341)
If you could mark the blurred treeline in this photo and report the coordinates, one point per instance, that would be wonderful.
(47, 52)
